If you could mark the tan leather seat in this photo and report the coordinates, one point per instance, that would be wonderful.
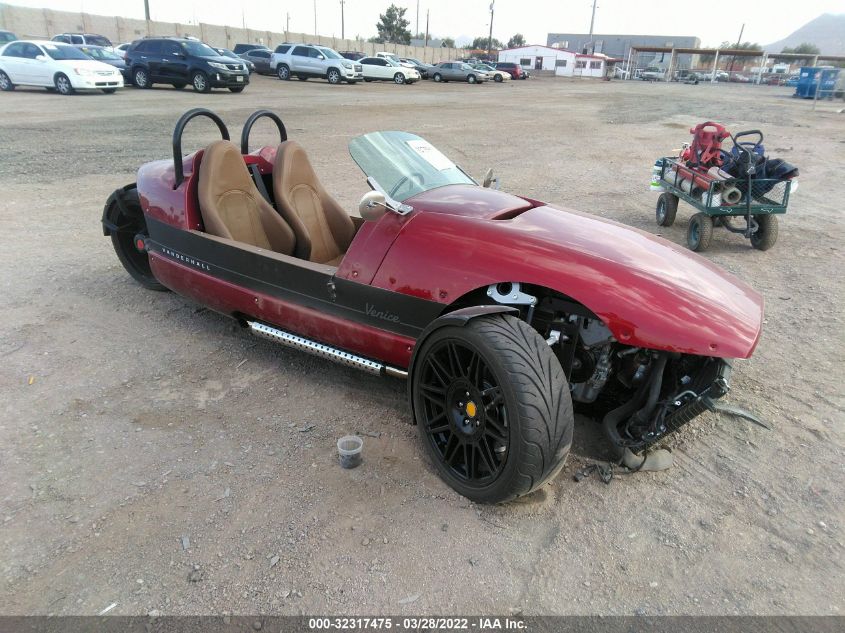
(322, 228)
(231, 205)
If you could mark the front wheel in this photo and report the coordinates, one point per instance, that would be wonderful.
(333, 76)
(767, 232)
(699, 232)
(437, 77)
(492, 407)
(283, 72)
(667, 207)
(199, 80)
(128, 226)
(6, 83)
(498, 79)
(472, 79)
(398, 78)
(63, 85)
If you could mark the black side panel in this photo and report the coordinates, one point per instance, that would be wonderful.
(287, 281)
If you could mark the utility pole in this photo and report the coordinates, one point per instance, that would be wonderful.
(592, 23)
(147, 9)
(315, 17)
(342, 32)
(425, 42)
(490, 39)
(287, 24)
(418, 20)
(738, 42)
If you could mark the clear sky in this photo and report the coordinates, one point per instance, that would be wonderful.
(713, 21)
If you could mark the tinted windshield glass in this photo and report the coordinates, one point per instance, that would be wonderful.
(5, 36)
(404, 164)
(329, 53)
(57, 51)
(199, 49)
(391, 62)
(100, 53)
(416, 62)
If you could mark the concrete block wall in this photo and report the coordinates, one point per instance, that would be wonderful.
(32, 23)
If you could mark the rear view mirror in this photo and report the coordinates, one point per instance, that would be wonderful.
(372, 206)
(490, 180)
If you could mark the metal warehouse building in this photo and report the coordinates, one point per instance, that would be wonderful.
(564, 63)
(620, 45)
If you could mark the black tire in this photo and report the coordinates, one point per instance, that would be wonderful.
(472, 79)
(497, 79)
(237, 89)
(333, 76)
(767, 232)
(123, 209)
(5, 83)
(199, 80)
(699, 232)
(141, 78)
(437, 77)
(667, 207)
(399, 78)
(283, 72)
(179, 86)
(109, 91)
(63, 85)
(514, 431)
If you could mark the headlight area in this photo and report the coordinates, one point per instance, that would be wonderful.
(218, 66)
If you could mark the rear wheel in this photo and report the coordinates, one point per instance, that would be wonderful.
(283, 72)
(6, 83)
(333, 76)
(199, 80)
(123, 209)
(667, 207)
(699, 232)
(767, 232)
(63, 85)
(493, 408)
(141, 79)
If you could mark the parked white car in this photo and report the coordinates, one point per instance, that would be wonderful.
(56, 66)
(385, 69)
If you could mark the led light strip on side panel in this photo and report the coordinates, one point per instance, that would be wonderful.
(324, 351)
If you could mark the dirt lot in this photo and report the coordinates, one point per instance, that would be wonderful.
(155, 456)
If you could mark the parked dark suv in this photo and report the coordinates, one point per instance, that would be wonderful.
(180, 61)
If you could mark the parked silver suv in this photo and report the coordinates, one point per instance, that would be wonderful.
(307, 60)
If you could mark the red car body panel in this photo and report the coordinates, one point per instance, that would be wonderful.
(459, 238)
(648, 291)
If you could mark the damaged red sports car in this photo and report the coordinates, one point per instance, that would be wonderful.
(502, 312)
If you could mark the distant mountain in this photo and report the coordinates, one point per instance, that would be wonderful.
(827, 32)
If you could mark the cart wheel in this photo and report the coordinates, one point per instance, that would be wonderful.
(699, 232)
(767, 232)
(667, 207)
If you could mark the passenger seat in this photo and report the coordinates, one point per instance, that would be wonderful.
(231, 205)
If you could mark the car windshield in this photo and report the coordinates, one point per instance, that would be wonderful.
(59, 52)
(6, 37)
(413, 61)
(466, 67)
(404, 164)
(100, 53)
(329, 53)
(483, 67)
(198, 49)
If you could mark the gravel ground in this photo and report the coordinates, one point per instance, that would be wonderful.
(155, 456)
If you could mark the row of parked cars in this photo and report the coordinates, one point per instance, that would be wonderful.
(85, 61)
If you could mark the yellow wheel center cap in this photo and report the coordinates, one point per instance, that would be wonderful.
(471, 409)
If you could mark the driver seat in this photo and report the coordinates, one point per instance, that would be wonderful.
(322, 228)
(231, 205)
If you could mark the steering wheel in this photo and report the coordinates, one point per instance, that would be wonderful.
(406, 179)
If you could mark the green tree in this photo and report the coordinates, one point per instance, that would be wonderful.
(806, 47)
(393, 27)
(481, 43)
(516, 41)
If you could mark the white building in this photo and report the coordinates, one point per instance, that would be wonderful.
(563, 62)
